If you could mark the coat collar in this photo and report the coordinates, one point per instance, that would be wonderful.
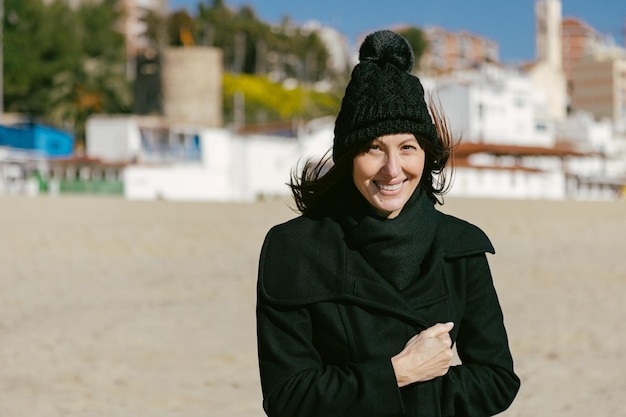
(296, 271)
(372, 289)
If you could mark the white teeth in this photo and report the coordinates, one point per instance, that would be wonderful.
(390, 187)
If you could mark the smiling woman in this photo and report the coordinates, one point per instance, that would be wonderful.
(361, 299)
(389, 172)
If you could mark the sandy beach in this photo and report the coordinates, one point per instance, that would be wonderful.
(120, 308)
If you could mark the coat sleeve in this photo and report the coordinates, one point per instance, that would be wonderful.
(485, 383)
(294, 379)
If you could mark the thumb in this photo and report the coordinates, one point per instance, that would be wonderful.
(439, 329)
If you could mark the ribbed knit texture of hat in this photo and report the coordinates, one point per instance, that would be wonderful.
(382, 96)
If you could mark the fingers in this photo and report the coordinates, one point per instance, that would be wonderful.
(438, 329)
(426, 356)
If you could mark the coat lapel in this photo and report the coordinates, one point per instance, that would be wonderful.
(372, 289)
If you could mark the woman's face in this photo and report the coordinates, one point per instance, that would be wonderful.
(388, 173)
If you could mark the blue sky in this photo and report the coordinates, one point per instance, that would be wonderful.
(509, 22)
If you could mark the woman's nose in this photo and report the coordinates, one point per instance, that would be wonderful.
(391, 165)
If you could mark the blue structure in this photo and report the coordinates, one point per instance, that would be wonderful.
(43, 140)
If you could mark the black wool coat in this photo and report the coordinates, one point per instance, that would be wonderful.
(328, 325)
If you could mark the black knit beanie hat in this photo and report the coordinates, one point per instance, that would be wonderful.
(382, 96)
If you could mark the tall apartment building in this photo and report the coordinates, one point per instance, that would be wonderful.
(595, 69)
(599, 85)
(579, 39)
(448, 51)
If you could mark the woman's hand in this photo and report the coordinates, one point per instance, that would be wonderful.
(426, 355)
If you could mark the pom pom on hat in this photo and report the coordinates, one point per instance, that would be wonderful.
(382, 96)
(387, 47)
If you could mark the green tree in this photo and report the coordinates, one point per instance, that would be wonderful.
(417, 40)
(180, 29)
(215, 26)
(157, 29)
(239, 33)
(39, 43)
(97, 81)
(251, 46)
(62, 65)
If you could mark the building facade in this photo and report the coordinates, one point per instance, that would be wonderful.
(492, 104)
(579, 40)
(449, 51)
(599, 86)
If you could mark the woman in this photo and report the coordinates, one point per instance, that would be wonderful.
(361, 298)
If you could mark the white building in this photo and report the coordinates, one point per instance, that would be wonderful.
(186, 163)
(513, 147)
(492, 104)
(199, 163)
(231, 168)
(513, 171)
(508, 183)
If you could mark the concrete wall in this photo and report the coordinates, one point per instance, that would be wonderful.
(192, 86)
(113, 138)
(499, 183)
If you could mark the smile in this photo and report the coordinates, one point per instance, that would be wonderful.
(388, 187)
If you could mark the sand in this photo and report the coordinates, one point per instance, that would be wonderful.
(118, 308)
